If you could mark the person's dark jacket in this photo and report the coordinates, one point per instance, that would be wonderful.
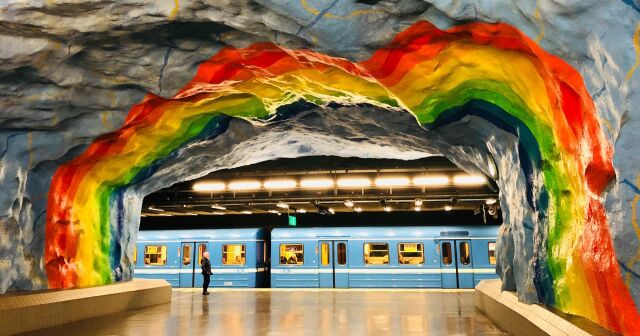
(206, 266)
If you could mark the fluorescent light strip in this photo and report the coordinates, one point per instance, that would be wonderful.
(317, 183)
(392, 181)
(244, 185)
(354, 182)
(280, 184)
(469, 180)
(431, 180)
(209, 186)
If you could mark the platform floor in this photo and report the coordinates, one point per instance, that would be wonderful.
(297, 312)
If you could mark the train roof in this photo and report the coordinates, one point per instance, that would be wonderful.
(387, 232)
(201, 234)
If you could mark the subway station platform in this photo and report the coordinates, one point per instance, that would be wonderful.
(301, 312)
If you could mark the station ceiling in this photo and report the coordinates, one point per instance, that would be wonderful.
(329, 186)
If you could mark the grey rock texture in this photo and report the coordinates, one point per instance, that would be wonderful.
(71, 70)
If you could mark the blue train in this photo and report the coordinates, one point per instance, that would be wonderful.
(238, 256)
(365, 257)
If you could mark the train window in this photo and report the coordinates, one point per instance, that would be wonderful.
(135, 254)
(342, 254)
(292, 254)
(376, 253)
(155, 255)
(492, 253)
(233, 254)
(324, 254)
(465, 254)
(186, 254)
(447, 258)
(410, 253)
(202, 248)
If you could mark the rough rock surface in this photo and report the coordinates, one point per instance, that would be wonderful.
(71, 70)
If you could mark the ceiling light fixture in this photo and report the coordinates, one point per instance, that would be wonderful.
(246, 212)
(447, 207)
(218, 213)
(208, 186)
(431, 180)
(348, 203)
(417, 208)
(332, 211)
(468, 180)
(244, 185)
(387, 208)
(218, 207)
(154, 209)
(280, 184)
(418, 202)
(392, 181)
(357, 209)
(318, 183)
(282, 205)
(354, 182)
(274, 211)
(490, 201)
(301, 211)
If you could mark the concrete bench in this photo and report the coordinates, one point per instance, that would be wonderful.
(28, 311)
(517, 318)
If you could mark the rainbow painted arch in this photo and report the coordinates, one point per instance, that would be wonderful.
(491, 70)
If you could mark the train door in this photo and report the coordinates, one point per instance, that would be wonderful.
(325, 264)
(448, 264)
(340, 267)
(333, 269)
(199, 250)
(187, 252)
(465, 266)
(456, 265)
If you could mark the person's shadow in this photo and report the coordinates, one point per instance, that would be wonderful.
(205, 305)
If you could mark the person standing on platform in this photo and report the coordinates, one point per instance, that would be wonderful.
(206, 273)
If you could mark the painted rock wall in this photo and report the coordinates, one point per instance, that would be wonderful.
(548, 88)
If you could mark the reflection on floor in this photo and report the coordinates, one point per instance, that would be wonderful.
(295, 312)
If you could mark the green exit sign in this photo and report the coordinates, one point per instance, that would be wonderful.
(292, 220)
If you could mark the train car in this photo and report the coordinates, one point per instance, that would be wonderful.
(237, 256)
(383, 257)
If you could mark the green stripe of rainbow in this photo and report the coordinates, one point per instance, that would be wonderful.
(425, 71)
